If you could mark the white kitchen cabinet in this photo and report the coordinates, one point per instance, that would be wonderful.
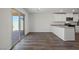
(69, 15)
(62, 17)
(58, 31)
(77, 29)
(75, 17)
(63, 32)
(59, 17)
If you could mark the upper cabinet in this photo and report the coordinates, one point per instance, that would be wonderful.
(69, 15)
(62, 17)
(59, 17)
(75, 17)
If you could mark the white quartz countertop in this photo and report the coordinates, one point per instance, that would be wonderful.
(62, 26)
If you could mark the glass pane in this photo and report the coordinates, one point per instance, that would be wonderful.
(15, 34)
(15, 23)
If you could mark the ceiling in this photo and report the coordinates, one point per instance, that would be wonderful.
(52, 10)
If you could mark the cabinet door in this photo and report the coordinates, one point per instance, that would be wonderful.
(77, 28)
(69, 15)
(75, 17)
(59, 17)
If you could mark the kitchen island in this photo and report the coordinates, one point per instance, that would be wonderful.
(64, 32)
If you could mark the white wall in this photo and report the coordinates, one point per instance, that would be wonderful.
(6, 27)
(40, 22)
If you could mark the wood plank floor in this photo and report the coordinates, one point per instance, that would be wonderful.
(46, 41)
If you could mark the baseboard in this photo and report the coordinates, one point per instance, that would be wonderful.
(14, 44)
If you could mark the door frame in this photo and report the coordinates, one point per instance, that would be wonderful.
(19, 25)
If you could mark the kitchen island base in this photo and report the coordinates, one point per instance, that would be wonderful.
(64, 32)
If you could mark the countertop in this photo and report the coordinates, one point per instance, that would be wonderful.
(63, 26)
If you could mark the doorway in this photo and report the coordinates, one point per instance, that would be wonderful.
(17, 26)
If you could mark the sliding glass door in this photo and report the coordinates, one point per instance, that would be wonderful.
(15, 33)
(18, 26)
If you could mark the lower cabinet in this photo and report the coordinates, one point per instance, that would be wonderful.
(65, 33)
